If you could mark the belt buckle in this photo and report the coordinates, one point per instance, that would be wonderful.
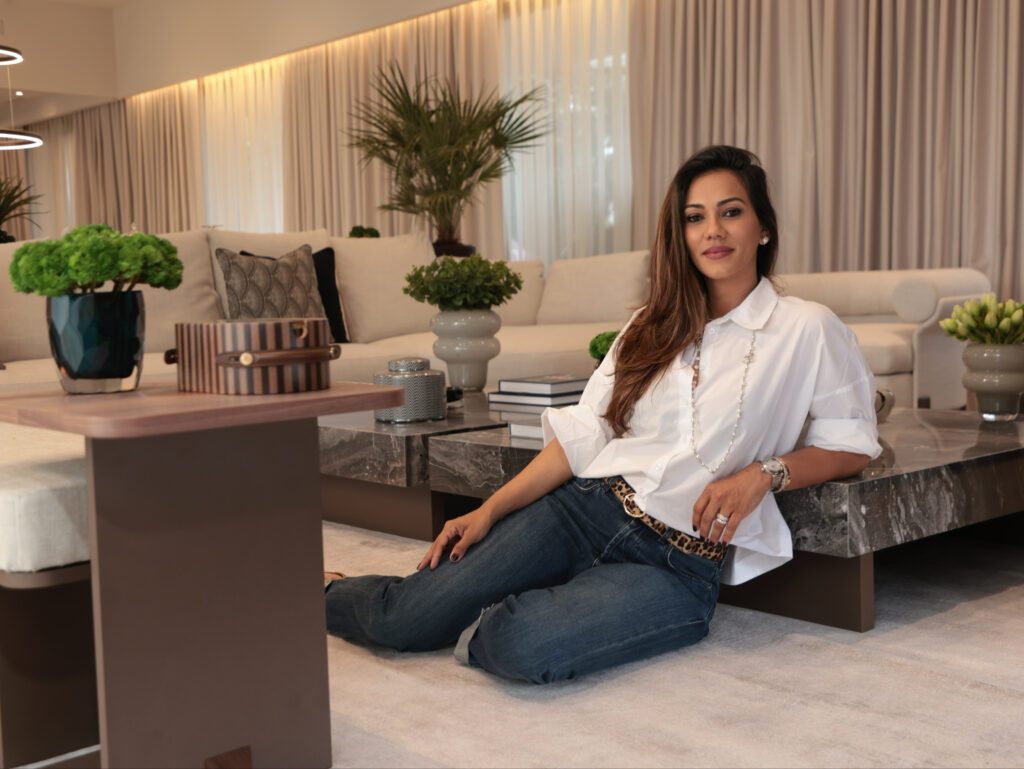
(636, 512)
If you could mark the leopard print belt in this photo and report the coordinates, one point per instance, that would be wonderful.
(684, 543)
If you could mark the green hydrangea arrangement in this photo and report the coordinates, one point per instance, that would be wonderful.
(89, 257)
(601, 344)
(986, 321)
(463, 283)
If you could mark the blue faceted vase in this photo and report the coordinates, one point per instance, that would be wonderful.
(97, 340)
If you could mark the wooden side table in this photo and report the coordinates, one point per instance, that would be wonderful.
(206, 564)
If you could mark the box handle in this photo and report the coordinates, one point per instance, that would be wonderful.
(249, 358)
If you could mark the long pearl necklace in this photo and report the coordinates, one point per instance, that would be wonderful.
(693, 403)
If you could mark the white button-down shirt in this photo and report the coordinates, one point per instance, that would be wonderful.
(806, 364)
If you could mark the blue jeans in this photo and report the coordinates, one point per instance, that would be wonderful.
(565, 586)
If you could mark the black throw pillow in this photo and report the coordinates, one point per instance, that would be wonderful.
(327, 286)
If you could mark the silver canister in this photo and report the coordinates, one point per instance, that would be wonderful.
(424, 391)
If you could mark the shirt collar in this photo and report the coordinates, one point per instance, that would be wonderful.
(753, 312)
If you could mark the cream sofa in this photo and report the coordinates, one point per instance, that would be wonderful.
(545, 328)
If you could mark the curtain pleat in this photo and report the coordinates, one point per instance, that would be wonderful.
(164, 150)
(891, 132)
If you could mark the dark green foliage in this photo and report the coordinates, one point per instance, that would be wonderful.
(601, 344)
(15, 201)
(90, 256)
(468, 283)
(440, 147)
(359, 231)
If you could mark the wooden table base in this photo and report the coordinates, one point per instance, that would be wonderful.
(210, 630)
(817, 588)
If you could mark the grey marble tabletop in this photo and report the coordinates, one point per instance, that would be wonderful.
(938, 470)
(358, 447)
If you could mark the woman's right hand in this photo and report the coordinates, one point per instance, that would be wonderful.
(463, 531)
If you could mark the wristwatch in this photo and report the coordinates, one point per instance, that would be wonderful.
(777, 469)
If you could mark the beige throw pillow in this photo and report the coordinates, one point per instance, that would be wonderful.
(371, 276)
(521, 309)
(265, 287)
(593, 289)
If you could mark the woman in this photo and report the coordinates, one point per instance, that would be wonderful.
(611, 544)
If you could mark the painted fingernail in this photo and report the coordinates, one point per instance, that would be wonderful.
(455, 557)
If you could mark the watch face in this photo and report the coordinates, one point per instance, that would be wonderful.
(774, 466)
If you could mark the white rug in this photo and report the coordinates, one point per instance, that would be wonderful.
(938, 682)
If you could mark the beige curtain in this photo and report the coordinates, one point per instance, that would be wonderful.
(242, 141)
(51, 172)
(13, 166)
(163, 136)
(325, 182)
(571, 195)
(101, 191)
(891, 132)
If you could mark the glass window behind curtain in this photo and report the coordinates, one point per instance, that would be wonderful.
(242, 138)
(570, 196)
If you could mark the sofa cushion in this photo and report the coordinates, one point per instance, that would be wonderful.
(521, 309)
(269, 287)
(23, 333)
(595, 288)
(194, 301)
(888, 348)
(269, 243)
(907, 295)
(44, 502)
(371, 276)
(327, 287)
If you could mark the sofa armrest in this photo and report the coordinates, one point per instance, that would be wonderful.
(938, 359)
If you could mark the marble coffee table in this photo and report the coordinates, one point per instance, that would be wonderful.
(374, 474)
(939, 471)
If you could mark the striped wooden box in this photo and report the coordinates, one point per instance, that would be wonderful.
(253, 357)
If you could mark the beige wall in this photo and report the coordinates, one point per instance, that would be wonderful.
(69, 57)
(160, 42)
(79, 54)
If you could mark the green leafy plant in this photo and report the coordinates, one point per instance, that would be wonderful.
(88, 257)
(441, 147)
(359, 231)
(601, 344)
(15, 202)
(986, 321)
(470, 283)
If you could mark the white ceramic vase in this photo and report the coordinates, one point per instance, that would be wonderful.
(465, 342)
(995, 374)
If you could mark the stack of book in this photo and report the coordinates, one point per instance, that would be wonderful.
(520, 401)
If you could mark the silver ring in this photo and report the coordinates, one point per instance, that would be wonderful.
(722, 519)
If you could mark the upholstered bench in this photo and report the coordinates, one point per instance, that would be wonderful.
(48, 702)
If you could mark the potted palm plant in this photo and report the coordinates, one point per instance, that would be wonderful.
(440, 147)
(15, 200)
(96, 335)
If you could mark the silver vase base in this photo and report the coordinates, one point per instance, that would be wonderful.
(84, 386)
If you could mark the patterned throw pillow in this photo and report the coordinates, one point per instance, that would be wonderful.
(323, 265)
(265, 287)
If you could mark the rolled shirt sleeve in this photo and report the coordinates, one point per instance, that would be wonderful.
(581, 429)
(842, 409)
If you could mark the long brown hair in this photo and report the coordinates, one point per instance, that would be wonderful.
(677, 307)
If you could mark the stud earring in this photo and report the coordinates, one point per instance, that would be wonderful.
(764, 241)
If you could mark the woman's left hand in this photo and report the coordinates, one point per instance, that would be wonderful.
(733, 498)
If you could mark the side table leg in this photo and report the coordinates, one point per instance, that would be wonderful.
(817, 588)
(208, 606)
